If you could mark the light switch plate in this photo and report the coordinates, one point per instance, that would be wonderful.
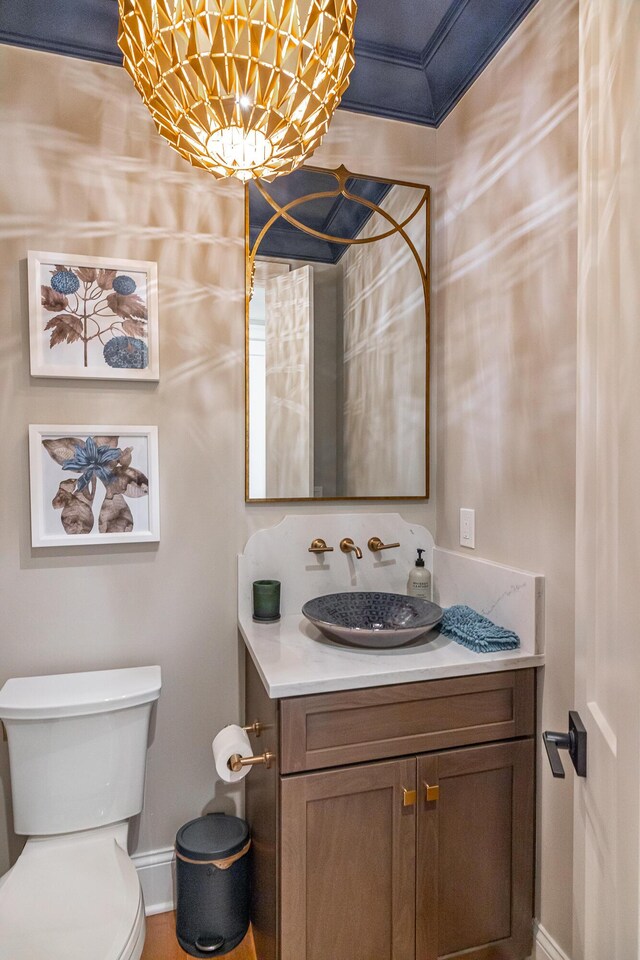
(467, 528)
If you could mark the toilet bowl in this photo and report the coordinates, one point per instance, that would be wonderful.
(79, 899)
(77, 752)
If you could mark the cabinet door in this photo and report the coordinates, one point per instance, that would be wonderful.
(475, 853)
(348, 863)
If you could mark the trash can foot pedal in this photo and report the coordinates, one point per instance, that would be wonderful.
(209, 944)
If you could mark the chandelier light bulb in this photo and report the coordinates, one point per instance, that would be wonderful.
(240, 151)
(244, 89)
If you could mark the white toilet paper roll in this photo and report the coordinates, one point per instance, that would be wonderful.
(230, 740)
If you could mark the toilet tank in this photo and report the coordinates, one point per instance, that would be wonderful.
(78, 747)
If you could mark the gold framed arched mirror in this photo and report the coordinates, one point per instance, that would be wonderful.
(337, 337)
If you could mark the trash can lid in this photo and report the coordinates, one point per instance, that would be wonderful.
(217, 835)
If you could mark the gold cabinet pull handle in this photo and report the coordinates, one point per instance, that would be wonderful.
(376, 545)
(409, 797)
(319, 546)
(431, 793)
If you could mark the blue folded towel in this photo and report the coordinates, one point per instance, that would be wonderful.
(476, 632)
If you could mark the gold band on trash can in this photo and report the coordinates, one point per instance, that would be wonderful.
(220, 864)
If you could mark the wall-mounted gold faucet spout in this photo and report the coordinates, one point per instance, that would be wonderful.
(348, 546)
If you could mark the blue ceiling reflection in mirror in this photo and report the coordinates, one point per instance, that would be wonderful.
(331, 214)
(414, 59)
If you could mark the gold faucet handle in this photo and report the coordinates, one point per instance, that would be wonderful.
(376, 544)
(319, 546)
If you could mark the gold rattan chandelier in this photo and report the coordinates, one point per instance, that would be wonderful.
(243, 88)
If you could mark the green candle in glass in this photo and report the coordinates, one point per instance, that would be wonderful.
(266, 600)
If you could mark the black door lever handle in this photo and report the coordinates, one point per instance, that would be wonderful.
(554, 742)
(575, 741)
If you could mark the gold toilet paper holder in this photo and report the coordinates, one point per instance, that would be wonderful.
(236, 762)
(256, 728)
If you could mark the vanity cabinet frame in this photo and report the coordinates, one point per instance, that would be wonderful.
(460, 867)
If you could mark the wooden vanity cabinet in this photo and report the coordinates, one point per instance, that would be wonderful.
(354, 860)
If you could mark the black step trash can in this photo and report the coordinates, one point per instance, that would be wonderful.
(212, 880)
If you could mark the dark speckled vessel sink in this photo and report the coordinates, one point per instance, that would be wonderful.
(367, 619)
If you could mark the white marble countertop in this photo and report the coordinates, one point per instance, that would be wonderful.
(293, 659)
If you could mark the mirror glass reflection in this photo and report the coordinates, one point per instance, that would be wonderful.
(337, 313)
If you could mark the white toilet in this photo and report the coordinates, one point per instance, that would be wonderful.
(77, 751)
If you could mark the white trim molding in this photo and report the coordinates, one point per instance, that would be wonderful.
(156, 873)
(546, 947)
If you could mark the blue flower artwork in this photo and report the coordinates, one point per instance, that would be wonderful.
(90, 460)
(88, 307)
(124, 285)
(126, 353)
(65, 281)
(95, 460)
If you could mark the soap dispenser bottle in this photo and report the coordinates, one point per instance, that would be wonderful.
(419, 582)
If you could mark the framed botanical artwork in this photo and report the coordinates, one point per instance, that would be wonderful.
(93, 484)
(93, 317)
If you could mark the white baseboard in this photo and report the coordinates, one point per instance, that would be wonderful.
(546, 947)
(156, 873)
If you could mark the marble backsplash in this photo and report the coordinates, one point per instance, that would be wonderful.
(510, 597)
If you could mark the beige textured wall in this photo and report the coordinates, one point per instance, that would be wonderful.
(83, 171)
(505, 302)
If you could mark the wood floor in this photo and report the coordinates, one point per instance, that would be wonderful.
(161, 943)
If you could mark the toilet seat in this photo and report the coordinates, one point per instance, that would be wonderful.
(72, 898)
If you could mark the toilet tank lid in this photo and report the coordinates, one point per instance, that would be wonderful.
(78, 694)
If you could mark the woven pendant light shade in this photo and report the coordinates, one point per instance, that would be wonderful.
(243, 88)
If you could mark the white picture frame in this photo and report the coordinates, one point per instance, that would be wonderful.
(84, 494)
(81, 326)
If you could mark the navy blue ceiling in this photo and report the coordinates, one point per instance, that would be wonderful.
(336, 216)
(414, 58)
